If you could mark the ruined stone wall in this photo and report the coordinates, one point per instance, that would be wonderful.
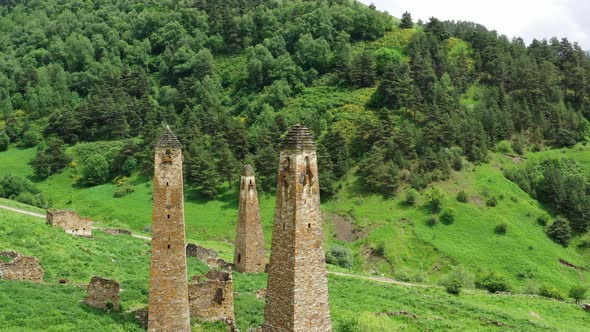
(116, 231)
(297, 292)
(70, 222)
(103, 293)
(20, 267)
(207, 256)
(168, 297)
(249, 254)
(211, 296)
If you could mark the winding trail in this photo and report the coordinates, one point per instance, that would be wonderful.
(39, 215)
(379, 279)
(147, 238)
(34, 214)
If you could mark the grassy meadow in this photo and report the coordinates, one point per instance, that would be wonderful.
(355, 303)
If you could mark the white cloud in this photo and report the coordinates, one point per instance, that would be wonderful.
(527, 19)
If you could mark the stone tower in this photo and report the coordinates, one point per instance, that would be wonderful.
(249, 255)
(297, 292)
(168, 305)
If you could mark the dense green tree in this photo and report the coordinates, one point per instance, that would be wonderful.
(560, 231)
(379, 174)
(406, 21)
(4, 141)
(396, 89)
(313, 53)
(578, 293)
(51, 157)
(362, 70)
(94, 170)
(201, 170)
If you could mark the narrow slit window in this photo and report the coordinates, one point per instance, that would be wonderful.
(168, 216)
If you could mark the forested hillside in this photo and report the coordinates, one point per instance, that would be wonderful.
(223, 73)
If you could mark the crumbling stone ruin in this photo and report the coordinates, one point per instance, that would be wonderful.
(297, 292)
(70, 222)
(211, 297)
(168, 308)
(20, 267)
(207, 256)
(141, 316)
(249, 254)
(103, 293)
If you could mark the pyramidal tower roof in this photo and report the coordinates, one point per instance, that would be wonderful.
(298, 137)
(248, 170)
(168, 140)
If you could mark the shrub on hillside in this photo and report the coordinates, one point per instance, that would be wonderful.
(457, 279)
(123, 190)
(419, 181)
(379, 251)
(492, 282)
(447, 216)
(411, 197)
(4, 141)
(551, 292)
(129, 166)
(543, 219)
(501, 229)
(560, 231)
(518, 145)
(431, 221)
(95, 170)
(340, 255)
(21, 190)
(348, 324)
(31, 138)
(584, 241)
(504, 147)
(435, 200)
(492, 201)
(462, 197)
(578, 293)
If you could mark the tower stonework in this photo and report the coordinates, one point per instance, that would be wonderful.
(297, 292)
(168, 300)
(249, 254)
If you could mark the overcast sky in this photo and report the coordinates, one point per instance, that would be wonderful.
(523, 18)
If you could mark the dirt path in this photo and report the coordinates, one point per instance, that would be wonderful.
(39, 215)
(34, 214)
(378, 279)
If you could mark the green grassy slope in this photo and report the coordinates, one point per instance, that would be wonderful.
(524, 255)
(413, 251)
(53, 307)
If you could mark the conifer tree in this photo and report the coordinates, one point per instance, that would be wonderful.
(406, 21)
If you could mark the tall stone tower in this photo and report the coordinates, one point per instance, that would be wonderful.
(297, 293)
(249, 255)
(168, 305)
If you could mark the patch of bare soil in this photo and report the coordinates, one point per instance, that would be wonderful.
(346, 230)
(477, 200)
